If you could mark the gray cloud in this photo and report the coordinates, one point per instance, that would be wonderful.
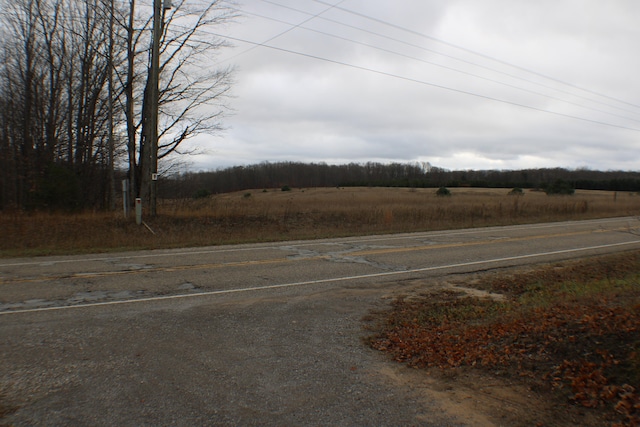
(413, 106)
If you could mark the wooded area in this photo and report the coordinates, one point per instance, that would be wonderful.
(416, 175)
(74, 95)
(74, 80)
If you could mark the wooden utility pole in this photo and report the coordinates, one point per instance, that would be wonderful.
(149, 154)
(153, 98)
(112, 180)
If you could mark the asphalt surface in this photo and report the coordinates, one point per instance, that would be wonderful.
(266, 334)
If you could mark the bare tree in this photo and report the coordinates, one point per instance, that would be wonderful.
(21, 78)
(191, 97)
(53, 80)
(61, 119)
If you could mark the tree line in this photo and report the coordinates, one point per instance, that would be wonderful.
(306, 175)
(74, 85)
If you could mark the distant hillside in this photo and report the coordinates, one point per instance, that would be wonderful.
(307, 175)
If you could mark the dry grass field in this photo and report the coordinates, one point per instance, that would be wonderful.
(275, 215)
(553, 312)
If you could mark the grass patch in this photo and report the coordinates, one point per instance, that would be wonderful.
(261, 216)
(572, 329)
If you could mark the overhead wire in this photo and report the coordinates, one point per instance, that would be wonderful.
(422, 82)
(291, 28)
(265, 44)
(458, 59)
(444, 42)
(337, 6)
(446, 67)
(489, 57)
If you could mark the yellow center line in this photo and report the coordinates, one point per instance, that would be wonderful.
(478, 243)
(212, 266)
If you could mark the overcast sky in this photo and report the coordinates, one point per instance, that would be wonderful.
(461, 84)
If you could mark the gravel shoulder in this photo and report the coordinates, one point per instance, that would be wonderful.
(274, 358)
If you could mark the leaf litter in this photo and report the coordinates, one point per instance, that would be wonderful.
(569, 331)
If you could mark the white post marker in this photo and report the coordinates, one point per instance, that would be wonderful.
(138, 210)
(125, 197)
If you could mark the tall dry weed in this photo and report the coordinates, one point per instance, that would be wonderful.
(298, 214)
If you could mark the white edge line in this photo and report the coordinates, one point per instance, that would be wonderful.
(315, 282)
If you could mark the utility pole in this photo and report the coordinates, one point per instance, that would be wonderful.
(153, 98)
(149, 161)
(112, 183)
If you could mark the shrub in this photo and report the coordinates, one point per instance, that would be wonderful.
(560, 187)
(443, 191)
(201, 194)
(516, 192)
(286, 188)
(59, 188)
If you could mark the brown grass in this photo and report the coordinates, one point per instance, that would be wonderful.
(274, 215)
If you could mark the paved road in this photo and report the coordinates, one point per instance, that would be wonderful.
(265, 334)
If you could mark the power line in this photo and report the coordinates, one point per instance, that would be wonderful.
(482, 55)
(455, 58)
(423, 61)
(293, 27)
(422, 82)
